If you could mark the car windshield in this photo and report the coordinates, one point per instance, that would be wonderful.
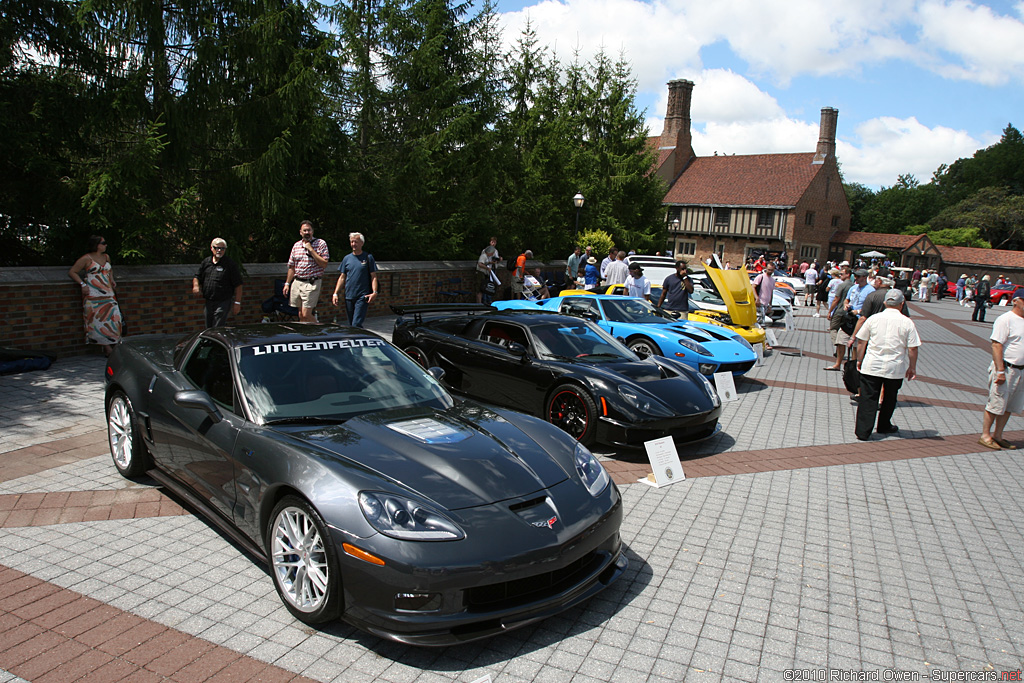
(637, 311)
(332, 380)
(577, 340)
(706, 297)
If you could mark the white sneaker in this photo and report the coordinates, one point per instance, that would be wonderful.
(816, 315)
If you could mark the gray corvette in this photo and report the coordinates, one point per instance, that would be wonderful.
(372, 495)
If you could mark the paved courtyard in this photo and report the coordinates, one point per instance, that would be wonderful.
(790, 549)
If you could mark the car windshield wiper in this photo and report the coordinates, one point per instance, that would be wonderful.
(307, 420)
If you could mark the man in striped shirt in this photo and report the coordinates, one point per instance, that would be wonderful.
(305, 278)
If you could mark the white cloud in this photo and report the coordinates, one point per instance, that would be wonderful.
(988, 48)
(890, 146)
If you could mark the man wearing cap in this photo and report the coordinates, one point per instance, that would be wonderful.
(676, 290)
(1005, 374)
(636, 284)
(219, 281)
(887, 346)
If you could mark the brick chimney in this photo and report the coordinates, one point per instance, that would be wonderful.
(826, 135)
(676, 132)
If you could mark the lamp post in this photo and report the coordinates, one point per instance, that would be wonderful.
(578, 203)
(675, 232)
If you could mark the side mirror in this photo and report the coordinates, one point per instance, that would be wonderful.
(517, 349)
(198, 400)
(621, 340)
(436, 372)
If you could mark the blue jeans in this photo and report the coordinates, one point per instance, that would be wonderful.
(356, 310)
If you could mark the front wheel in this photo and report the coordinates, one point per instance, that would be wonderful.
(642, 346)
(573, 411)
(303, 562)
(126, 446)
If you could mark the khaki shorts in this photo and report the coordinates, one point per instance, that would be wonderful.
(305, 294)
(1007, 397)
(839, 338)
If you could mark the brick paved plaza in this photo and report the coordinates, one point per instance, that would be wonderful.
(790, 545)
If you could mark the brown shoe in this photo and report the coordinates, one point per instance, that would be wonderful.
(1003, 443)
(990, 443)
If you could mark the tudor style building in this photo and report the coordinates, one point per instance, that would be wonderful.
(738, 204)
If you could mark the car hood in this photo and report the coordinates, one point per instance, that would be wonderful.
(462, 457)
(735, 289)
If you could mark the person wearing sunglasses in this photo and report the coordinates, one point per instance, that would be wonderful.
(219, 281)
(93, 273)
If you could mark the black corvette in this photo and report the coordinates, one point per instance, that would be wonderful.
(563, 369)
(372, 495)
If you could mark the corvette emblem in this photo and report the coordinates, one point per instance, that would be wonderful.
(548, 523)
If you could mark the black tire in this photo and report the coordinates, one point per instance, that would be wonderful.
(644, 346)
(312, 597)
(572, 410)
(126, 445)
(418, 355)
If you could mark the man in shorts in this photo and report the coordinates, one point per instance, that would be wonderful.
(836, 313)
(1005, 375)
(305, 278)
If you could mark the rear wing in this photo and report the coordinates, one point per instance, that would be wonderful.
(417, 310)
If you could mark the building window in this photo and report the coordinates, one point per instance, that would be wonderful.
(808, 252)
(809, 218)
(722, 216)
(686, 247)
(835, 221)
(765, 218)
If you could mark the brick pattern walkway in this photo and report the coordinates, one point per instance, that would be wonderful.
(53, 635)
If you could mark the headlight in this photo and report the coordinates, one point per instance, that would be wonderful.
(645, 404)
(407, 519)
(694, 346)
(743, 341)
(591, 472)
(710, 388)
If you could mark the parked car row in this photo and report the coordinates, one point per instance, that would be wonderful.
(361, 475)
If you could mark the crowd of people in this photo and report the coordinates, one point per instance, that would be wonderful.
(865, 308)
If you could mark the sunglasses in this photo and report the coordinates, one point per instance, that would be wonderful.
(220, 248)
(103, 242)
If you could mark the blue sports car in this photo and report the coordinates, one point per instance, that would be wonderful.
(647, 330)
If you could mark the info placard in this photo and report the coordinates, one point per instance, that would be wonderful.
(726, 386)
(665, 465)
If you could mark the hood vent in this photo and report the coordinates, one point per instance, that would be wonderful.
(429, 430)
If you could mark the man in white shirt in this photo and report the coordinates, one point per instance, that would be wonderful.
(1005, 374)
(636, 284)
(810, 282)
(887, 346)
(617, 271)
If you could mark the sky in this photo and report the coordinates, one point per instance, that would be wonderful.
(918, 83)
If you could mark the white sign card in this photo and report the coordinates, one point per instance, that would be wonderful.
(665, 465)
(790, 321)
(770, 336)
(759, 352)
(726, 386)
(486, 678)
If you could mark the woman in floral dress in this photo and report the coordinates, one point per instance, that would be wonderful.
(102, 314)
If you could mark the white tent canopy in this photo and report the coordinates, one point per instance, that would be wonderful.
(872, 254)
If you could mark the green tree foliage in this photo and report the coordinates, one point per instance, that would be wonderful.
(993, 213)
(600, 240)
(858, 196)
(162, 125)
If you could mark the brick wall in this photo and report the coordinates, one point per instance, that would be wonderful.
(826, 198)
(41, 308)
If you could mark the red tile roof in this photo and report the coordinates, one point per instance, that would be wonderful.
(999, 258)
(777, 180)
(875, 239)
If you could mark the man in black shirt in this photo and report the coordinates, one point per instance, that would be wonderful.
(677, 289)
(219, 281)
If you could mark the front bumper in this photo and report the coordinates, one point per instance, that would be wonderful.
(688, 429)
(502, 576)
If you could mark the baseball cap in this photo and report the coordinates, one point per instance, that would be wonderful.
(636, 267)
(860, 273)
(1019, 294)
(894, 296)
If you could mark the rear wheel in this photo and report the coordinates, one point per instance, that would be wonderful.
(573, 411)
(303, 562)
(418, 355)
(126, 446)
(644, 347)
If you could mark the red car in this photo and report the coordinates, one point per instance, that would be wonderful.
(1000, 292)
